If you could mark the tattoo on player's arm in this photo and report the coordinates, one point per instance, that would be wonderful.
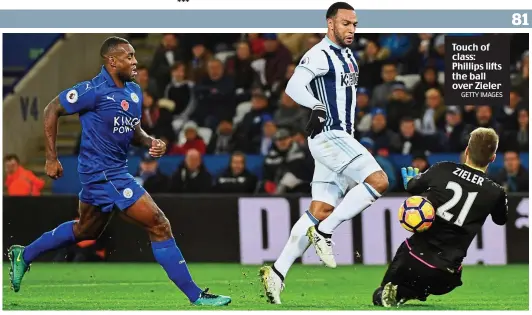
(141, 137)
(52, 112)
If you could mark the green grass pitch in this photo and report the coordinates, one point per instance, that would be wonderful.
(113, 286)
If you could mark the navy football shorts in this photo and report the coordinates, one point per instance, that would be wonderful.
(108, 189)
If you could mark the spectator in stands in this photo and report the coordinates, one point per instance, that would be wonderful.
(199, 65)
(399, 105)
(310, 42)
(437, 58)
(521, 79)
(216, 97)
(257, 45)
(181, 91)
(165, 57)
(507, 114)
(469, 115)
(222, 139)
(289, 114)
(287, 169)
(383, 138)
(192, 141)
(362, 111)
(411, 140)
(236, 179)
(395, 46)
(484, 118)
(420, 161)
(514, 176)
(517, 139)
(150, 177)
(300, 136)
(428, 80)
(455, 130)
(20, 181)
(146, 82)
(424, 51)
(155, 120)
(381, 92)
(245, 76)
(433, 116)
(383, 161)
(277, 57)
(294, 42)
(249, 132)
(289, 72)
(150, 113)
(370, 63)
(191, 176)
(268, 132)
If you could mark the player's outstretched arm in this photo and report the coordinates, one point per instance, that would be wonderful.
(499, 214)
(414, 182)
(157, 147)
(52, 112)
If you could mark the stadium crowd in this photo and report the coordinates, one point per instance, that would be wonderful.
(224, 94)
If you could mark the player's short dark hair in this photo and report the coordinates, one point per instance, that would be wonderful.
(110, 43)
(239, 153)
(483, 143)
(389, 63)
(407, 119)
(178, 64)
(11, 157)
(333, 9)
(512, 150)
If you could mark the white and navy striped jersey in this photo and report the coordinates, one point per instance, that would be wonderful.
(335, 73)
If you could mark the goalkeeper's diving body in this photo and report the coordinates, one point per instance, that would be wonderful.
(325, 81)
(430, 262)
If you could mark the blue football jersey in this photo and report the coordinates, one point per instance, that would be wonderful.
(108, 116)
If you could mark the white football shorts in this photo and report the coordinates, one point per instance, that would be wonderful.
(333, 151)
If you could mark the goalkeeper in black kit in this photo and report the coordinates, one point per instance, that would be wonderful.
(430, 262)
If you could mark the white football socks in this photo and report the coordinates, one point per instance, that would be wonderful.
(355, 201)
(297, 243)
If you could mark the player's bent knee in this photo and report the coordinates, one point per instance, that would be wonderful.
(320, 210)
(161, 230)
(83, 232)
(379, 181)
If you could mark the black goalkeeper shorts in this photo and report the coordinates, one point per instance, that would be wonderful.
(416, 278)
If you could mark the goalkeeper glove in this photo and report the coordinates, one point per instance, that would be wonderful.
(408, 173)
(316, 121)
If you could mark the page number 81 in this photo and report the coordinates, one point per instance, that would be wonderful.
(520, 19)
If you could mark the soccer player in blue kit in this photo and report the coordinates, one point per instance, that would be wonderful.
(109, 108)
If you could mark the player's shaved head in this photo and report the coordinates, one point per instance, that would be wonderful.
(111, 45)
(482, 146)
(119, 58)
(333, 9)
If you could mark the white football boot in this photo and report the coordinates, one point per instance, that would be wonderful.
(389, 295)
(272, 283)
(323, 246)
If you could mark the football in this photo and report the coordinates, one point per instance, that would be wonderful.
(416, 214)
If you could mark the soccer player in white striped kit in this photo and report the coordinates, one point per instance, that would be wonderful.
(325, 81)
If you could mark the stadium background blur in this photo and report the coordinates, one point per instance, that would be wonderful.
(218, 101)
(223, 93)
(211, 95)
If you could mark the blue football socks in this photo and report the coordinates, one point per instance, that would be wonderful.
(170, 258)
(59, 237)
